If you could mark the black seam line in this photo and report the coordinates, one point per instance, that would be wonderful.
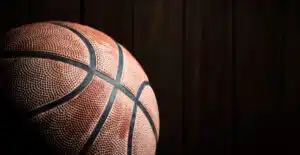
(131, 128)
(6, 54)
(51, 56)
(85, 41)
(128, 93)
(86, 81)
(133, 117)
(141, 106)
(121, 64)
(100, 123)
(108, 107)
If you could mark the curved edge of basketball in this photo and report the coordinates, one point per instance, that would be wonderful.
(83, 92)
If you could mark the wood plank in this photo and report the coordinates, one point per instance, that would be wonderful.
(158, 47)
(208, 77)
(259, 77)
(192, 71)
(67, 10)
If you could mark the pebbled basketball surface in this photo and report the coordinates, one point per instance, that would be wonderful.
(78, 90)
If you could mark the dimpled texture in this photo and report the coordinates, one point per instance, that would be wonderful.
(143, 142)
(105, 49)
(132, 70)
(44, 81)
(68, 126)
(148, 99)
(113, 137)
(47, 37)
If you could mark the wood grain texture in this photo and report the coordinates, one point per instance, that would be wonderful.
(208, 78)
(158, 47)
(192, 69)
(259, 77)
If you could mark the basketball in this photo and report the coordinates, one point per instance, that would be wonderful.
(80, 90)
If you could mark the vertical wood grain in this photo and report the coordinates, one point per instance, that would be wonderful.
(259, 77)
(208, 77)
(158, 46)
(192, 70)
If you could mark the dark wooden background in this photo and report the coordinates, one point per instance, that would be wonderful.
(225, 72)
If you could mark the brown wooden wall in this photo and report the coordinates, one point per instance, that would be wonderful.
(225, 72)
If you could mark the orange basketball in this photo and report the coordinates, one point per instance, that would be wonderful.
(85, 93)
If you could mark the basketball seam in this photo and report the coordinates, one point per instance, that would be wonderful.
(133, 117)
(86, 81)
(108, 107)
(45, 55)
(91, 72)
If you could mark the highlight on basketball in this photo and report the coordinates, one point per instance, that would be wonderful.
(71, 89)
